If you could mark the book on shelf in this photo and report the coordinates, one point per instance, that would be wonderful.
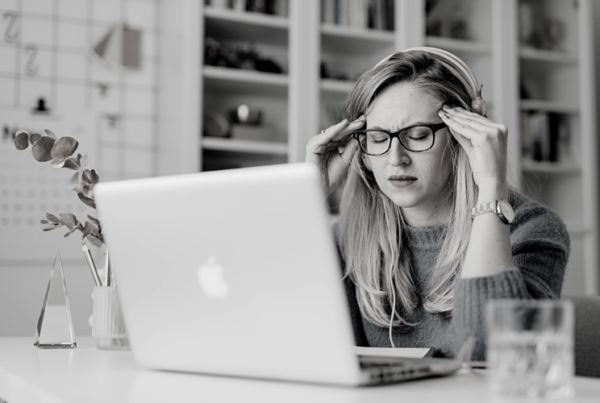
(273, 7)
(360, 14)
(545, 136)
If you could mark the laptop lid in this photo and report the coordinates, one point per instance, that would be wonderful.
(231, 272)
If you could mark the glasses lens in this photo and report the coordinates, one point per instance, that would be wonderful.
(374, 142)
(418, 138)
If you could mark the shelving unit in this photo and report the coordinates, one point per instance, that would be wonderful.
(561, 81)
(299, 103)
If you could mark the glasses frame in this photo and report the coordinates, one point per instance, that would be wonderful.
(434, 127)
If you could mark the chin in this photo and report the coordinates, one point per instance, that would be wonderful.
(404, 199)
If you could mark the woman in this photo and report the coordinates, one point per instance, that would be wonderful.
(429, 230)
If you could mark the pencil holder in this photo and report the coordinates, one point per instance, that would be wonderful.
(107, 322)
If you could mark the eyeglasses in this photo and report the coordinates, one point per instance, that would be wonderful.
(417, 138)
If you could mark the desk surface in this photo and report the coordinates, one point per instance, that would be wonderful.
(86, 374)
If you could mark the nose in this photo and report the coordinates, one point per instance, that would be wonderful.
(398, 155)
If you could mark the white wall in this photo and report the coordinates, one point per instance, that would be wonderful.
(46, 51)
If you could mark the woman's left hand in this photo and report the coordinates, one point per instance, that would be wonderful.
(485, 143)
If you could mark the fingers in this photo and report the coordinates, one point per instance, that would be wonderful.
(471, 125)
(339, 131)
(471, 116)
(463, 127)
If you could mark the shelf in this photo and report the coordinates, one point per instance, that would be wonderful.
(340, 39)
(245, 146)
(336, 87)
(245, 81)
(370, 35)
(577, 231)
(546, 56)
(550, 167)
(547, 106)
(458, 45)
(226, 24)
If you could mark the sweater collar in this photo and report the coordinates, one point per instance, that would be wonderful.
(426, 238)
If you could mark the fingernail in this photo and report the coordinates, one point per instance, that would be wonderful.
(360, 119)
(443, 114)
(446, 107)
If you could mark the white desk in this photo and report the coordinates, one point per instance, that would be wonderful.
(85, 374)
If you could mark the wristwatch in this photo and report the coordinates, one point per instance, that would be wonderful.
(501, 207)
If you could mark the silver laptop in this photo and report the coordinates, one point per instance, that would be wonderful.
(236, 273)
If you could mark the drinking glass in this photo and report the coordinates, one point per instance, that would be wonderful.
(530, 347)
(108, 326)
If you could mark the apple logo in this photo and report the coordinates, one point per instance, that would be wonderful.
(210, 277)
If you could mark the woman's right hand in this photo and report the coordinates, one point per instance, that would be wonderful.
(322, 150)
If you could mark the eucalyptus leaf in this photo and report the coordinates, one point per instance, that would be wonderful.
(45, 221)
(74, 183)
(94, 178)
(51, 226)
(88, 201)
(52, 218)
(71, 163)
(22, 140)
(70, 232)
(49, 133)
(21, 131)
(97, 242)
(69, 220)
(83, 160)
(57, 164)
(34, 137)
(64, 148)
(94, 220)
(87, 228)
(87, 176)
(41, 149)
(94, 230)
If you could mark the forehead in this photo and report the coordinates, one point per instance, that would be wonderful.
(401, 105)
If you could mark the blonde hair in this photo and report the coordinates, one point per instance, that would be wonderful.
(372, 238)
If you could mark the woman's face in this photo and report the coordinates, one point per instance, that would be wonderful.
(415, 181)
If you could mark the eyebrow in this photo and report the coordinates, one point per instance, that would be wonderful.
(412, 124)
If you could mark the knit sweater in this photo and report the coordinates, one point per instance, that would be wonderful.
(540, 248)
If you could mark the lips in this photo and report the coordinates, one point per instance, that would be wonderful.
(402, 180)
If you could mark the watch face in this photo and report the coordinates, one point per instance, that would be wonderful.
(506, 210)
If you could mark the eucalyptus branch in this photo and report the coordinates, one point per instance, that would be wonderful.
(60, 152)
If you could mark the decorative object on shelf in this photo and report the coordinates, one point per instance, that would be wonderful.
(215, 125)
(55, 325)
(328, 73)
(545, 137)
(546, 33)
(245, 114)
(215, 54)
(447, 19)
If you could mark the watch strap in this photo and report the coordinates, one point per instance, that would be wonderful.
(490, 207)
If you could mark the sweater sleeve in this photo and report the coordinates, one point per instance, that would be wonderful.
(540, 248)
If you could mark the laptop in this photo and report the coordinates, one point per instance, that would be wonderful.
(236, 273)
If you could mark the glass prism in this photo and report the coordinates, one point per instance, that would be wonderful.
(55, 325)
